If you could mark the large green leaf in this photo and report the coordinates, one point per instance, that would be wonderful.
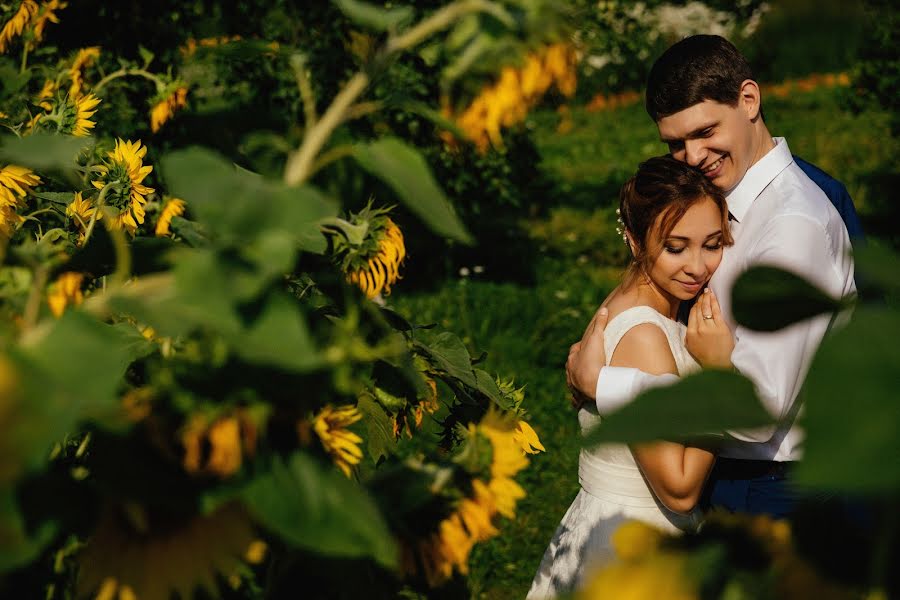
(697, 405)
(852, 415)
(278, 337)
(449, 354)
(487, 386)
(237, 205)
(768, 298)
(320, 510)
(43, 152)
(374, 17)
(402, 167)
(380, 440)
(65, 373)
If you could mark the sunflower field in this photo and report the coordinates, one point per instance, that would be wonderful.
(204, 390)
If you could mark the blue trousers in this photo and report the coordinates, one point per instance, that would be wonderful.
(753, 487)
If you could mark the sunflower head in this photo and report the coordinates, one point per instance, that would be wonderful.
(370, 248)
(331, 426)
(122, 177)
(166, 105)
(20, 19)
(174, 207)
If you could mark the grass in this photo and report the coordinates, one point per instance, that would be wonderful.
(527, 330)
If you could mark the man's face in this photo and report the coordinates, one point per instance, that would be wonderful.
(716, 138)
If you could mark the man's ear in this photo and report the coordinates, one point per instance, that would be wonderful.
(750, 99)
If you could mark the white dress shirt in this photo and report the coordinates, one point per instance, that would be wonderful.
(782, 219)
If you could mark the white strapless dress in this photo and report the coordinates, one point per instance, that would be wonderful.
(613, 490)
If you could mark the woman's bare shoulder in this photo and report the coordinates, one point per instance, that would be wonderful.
(645, 347)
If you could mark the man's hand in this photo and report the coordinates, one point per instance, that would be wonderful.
(586, 359)
(708, 338)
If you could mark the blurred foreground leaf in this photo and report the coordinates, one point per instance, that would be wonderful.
(768, 299)
(43, 152)
(402, 167)
(852, 413)
(238, 206)
(372, 16)
(697, 405)
(320, 510)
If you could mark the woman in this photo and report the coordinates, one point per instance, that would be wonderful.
(676, 225)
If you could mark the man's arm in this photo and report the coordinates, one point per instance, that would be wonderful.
(610, 387)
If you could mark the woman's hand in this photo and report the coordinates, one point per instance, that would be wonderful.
(708, 339)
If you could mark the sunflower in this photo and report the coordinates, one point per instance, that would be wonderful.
(165, 108)
(47, 92)
(65, 291)
(85, 107)
(17, 24)
(125, 171)
(47, 15)
(173, 208)
(83, 59)
(330, 424)
(218, 447)
(527, 438)
(448, 548)
(508, 100)
(382, 269)
(15, 183)
(135, 553)
(82, 212)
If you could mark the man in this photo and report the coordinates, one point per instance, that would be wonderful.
(708, 110)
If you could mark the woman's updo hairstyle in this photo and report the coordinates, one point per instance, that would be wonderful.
(654, 199)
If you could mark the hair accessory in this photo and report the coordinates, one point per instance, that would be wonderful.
(621, 228)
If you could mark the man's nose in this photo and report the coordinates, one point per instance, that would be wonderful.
(694, 153)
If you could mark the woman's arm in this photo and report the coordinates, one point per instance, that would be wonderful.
(676, 473)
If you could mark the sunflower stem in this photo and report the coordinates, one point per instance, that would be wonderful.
(33, 304)
(300, 163)
(100, 200)
(304, 84)
(120, 244)
(123, 72)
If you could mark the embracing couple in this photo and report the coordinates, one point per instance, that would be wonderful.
(729, 196)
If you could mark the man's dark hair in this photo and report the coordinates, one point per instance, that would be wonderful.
(698, 68)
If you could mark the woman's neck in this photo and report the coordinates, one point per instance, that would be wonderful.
(649, 294)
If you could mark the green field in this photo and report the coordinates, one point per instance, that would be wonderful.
(527, 330)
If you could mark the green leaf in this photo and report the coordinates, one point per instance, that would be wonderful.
(487, 386)
(84, 356)
(851, 411)
(65, 373)
(279, 337)
(380, 440)
(374, 17)
(697, 405)
(43, 152)
(321, 511)
(403, 168)
(449, 354)
(236, 205)
(768, 299)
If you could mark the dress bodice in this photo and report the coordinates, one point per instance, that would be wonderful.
(611, 468)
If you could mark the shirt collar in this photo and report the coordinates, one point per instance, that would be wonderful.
(758, 177)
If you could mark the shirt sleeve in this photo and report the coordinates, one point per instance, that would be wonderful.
(617, 386)
(777, 362)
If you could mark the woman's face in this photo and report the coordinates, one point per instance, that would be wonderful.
(690, 253)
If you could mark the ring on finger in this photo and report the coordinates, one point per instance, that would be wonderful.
(707, 316)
